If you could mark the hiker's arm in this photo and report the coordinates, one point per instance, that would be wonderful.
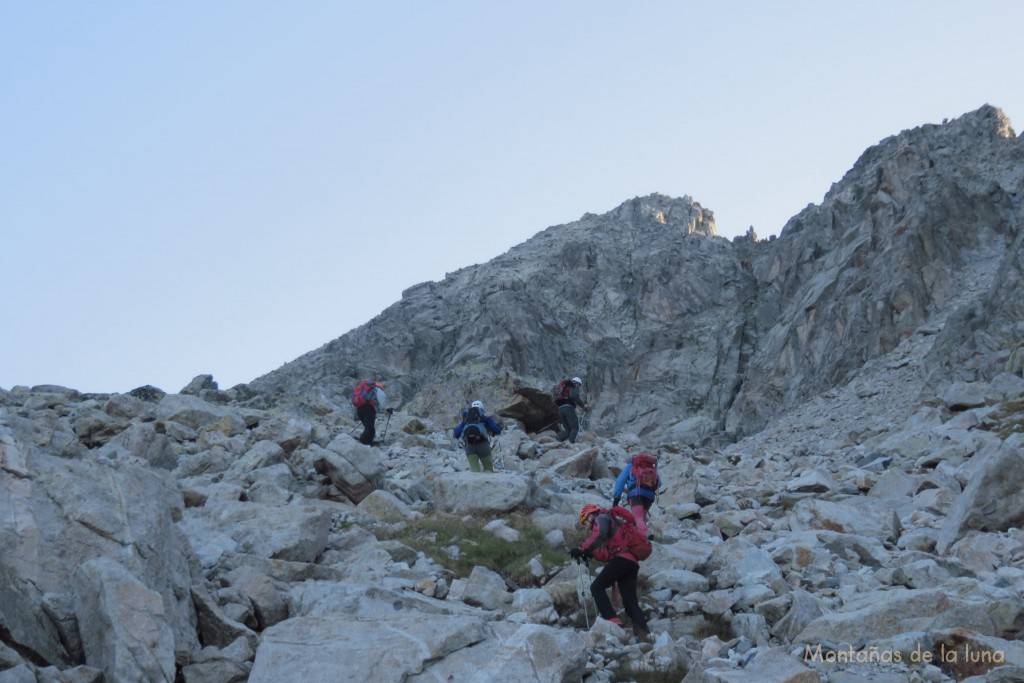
(578, 400)
(598, 536)
(620, 483)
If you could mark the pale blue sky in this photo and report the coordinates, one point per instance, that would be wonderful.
(219, 187)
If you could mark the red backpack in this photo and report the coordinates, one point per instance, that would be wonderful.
(624, 536)
(363, 393)
(645, 471)
(562, 390)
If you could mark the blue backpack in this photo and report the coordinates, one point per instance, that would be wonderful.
(475, 430)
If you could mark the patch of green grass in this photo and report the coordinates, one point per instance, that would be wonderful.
(1008, 420)
(435, 535)
(715, 626)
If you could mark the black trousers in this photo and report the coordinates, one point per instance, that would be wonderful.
(569, 423)
(368, 416)
(624, 573)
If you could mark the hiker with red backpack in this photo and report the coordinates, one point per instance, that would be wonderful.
(474, 432)
(368, 397)
(566, 395)
(640, 481)
(615, 540)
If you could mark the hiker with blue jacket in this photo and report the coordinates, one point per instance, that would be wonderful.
(640, 481)
(474, 433)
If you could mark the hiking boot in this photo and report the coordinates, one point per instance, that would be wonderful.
(641, 633)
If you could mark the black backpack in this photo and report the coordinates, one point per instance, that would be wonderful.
(475, 430)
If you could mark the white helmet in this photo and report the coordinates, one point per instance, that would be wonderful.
(477, 404)
(577, 380)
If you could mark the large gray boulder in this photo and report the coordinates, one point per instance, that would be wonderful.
(530, 652)
(994, 498)
(344, 648)
(888, 613)
(195, 413)
(126, 513)
(124, 630)
(773, 664)
(355, 469)
(479, 492)
(860, 516)
(296, 532)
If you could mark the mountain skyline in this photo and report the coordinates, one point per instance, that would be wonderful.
(221, 195)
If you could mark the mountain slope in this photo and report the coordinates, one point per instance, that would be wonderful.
(684, 334)
(850, 278)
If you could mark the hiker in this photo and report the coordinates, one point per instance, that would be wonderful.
(369, 397)
(567, 398)
(640, 481)
(610, 542)
(474, 433)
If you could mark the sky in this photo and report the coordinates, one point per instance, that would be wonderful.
(217, 187)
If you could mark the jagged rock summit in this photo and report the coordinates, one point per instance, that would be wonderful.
(684, 335)
(614, 297)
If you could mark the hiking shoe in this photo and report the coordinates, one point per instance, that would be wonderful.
(616, 621)
(641, 633)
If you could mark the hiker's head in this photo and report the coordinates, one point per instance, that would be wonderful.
(577, 381)
(588, 510)
(379, 385)
(477, 404)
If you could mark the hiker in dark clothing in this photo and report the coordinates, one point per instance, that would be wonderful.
(622, 568)
(569, 423)
(368, 401)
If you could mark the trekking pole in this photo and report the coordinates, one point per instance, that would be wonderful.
(581, 588)
(582, 585)
(386, 425)
(544, 429)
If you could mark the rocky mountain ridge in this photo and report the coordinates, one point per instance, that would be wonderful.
(680, 332)
(839, 415)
